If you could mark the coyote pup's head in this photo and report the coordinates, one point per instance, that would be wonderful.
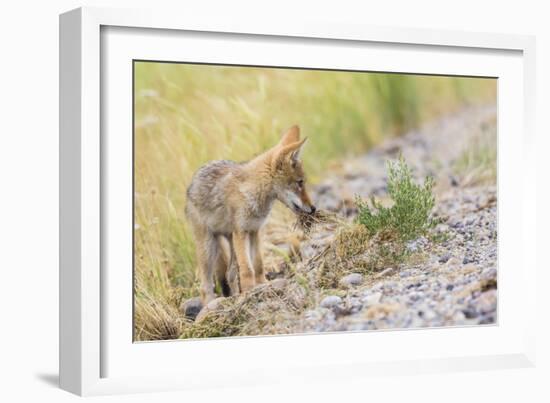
(288, 175)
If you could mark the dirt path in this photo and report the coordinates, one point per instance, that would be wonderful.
(455, 282)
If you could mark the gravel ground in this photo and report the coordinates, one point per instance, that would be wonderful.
(456, 283)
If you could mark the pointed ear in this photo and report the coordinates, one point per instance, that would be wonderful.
(290, 152)
(295, 155)
(292, 135)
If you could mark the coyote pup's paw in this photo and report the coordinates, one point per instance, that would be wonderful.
(261, 279)
(247, 283)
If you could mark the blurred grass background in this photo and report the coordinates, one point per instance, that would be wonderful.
(187, 115)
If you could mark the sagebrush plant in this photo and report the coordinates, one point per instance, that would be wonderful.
(378, 239)
(410, 214)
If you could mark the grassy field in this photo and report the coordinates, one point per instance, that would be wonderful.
(187, 115)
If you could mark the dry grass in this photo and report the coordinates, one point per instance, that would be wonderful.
(156, 319)
(477, 165)
(268, 309)
(356, 250)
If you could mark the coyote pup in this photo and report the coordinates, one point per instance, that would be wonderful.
(230, 200)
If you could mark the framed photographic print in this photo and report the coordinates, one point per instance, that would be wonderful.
(309, 197)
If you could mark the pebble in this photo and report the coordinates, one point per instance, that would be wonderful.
(427, 314)
(372, 299)
(211, 306)
(489, 273)
(191, 308)
(452, 262)
(470, 219)
(487, 302)
(330, 301)
(459, 317)
(442, 228)
(351, 280)
(487, 320)
(444, 258)
(470, 313)
(416, 295)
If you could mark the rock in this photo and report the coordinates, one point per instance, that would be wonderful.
(471, 219)
(469, 268)
(191, 308)
(489, 273)
(441, 228)
(455, 223)
(390, 286)
(211, 306)
(272, 275)
(444, 258)
(405, 273)
(487, 320)
(468, 259)
(319, 320)
(487, 302)
(427, 314)
(470, 313)
(453, 262)
(331, 301)
(416, 295)
(351, 280)
(459, 317)
(355, 305)
(372, 299)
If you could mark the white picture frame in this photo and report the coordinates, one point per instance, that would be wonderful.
(94, 360)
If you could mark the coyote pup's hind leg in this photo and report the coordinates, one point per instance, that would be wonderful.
(223, 265)
(208, 257)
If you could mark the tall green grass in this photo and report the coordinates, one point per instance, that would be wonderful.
(187, 115)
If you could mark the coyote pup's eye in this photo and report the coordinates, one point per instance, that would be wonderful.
(300, 183)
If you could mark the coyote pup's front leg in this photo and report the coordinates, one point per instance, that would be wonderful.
(256, 253)
(246, 271)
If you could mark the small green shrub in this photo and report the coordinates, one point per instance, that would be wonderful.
(410, 214)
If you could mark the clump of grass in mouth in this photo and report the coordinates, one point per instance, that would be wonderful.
(308, 221)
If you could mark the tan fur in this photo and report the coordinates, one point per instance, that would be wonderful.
(227, 204)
